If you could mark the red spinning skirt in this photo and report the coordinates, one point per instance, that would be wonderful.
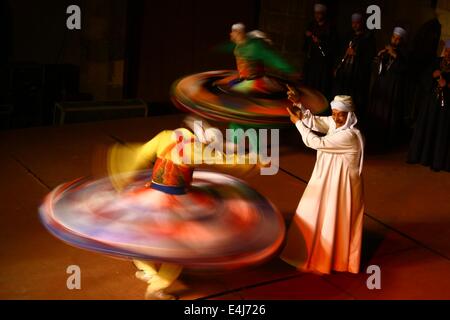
(220, 223)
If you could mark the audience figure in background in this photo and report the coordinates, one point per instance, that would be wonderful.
(385, 113)
(319, 47)
(430, 144)
(353, 71)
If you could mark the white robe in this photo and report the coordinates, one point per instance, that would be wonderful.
(326, 231)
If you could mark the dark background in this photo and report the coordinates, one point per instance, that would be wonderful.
(136, 49)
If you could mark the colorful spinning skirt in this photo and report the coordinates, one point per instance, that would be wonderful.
(219, 224)
(219, 95)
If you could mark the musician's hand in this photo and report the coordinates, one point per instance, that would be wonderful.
(442, 83)
(391, 51)
(381, 52)
(308, 33)
(293, 116)
(351, 51)
(436, 73)
(293, 95)
(315, 39)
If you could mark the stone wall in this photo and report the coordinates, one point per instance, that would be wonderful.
(103, 48)
(285, 22)
(40, 36)
(443, 12)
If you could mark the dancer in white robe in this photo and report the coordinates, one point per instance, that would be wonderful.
(326, 231)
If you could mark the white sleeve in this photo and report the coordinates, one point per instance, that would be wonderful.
(342, 142)
(316, 123)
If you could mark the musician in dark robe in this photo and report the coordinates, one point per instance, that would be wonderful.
(421, 58)
(384, 121)
(319, 47)
(353, 71)
(430, 144)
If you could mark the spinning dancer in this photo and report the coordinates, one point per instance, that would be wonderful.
(255, 60)
(169, 217)
(249, 98)
(254, 57)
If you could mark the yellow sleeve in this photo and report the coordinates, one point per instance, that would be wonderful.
(133, 157)
(233, 164)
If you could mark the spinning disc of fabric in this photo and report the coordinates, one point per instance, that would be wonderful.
(221, 223)
(220, 95)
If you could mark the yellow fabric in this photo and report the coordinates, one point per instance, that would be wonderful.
(162, 277)
(165, 277)
(132, 157)
(148, 267)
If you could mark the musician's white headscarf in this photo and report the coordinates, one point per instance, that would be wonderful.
(400, 32)
(357, 17)
(318, 7)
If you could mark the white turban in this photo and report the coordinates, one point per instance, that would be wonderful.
(318, 7)
(357, 17)
(257, 34)
(400, 32)
(447, 43)
(343, 103)
(238, 27)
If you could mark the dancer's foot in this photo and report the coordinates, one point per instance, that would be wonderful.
(142, 275)
(159, 295)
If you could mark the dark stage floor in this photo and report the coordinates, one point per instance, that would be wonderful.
(407, 225)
